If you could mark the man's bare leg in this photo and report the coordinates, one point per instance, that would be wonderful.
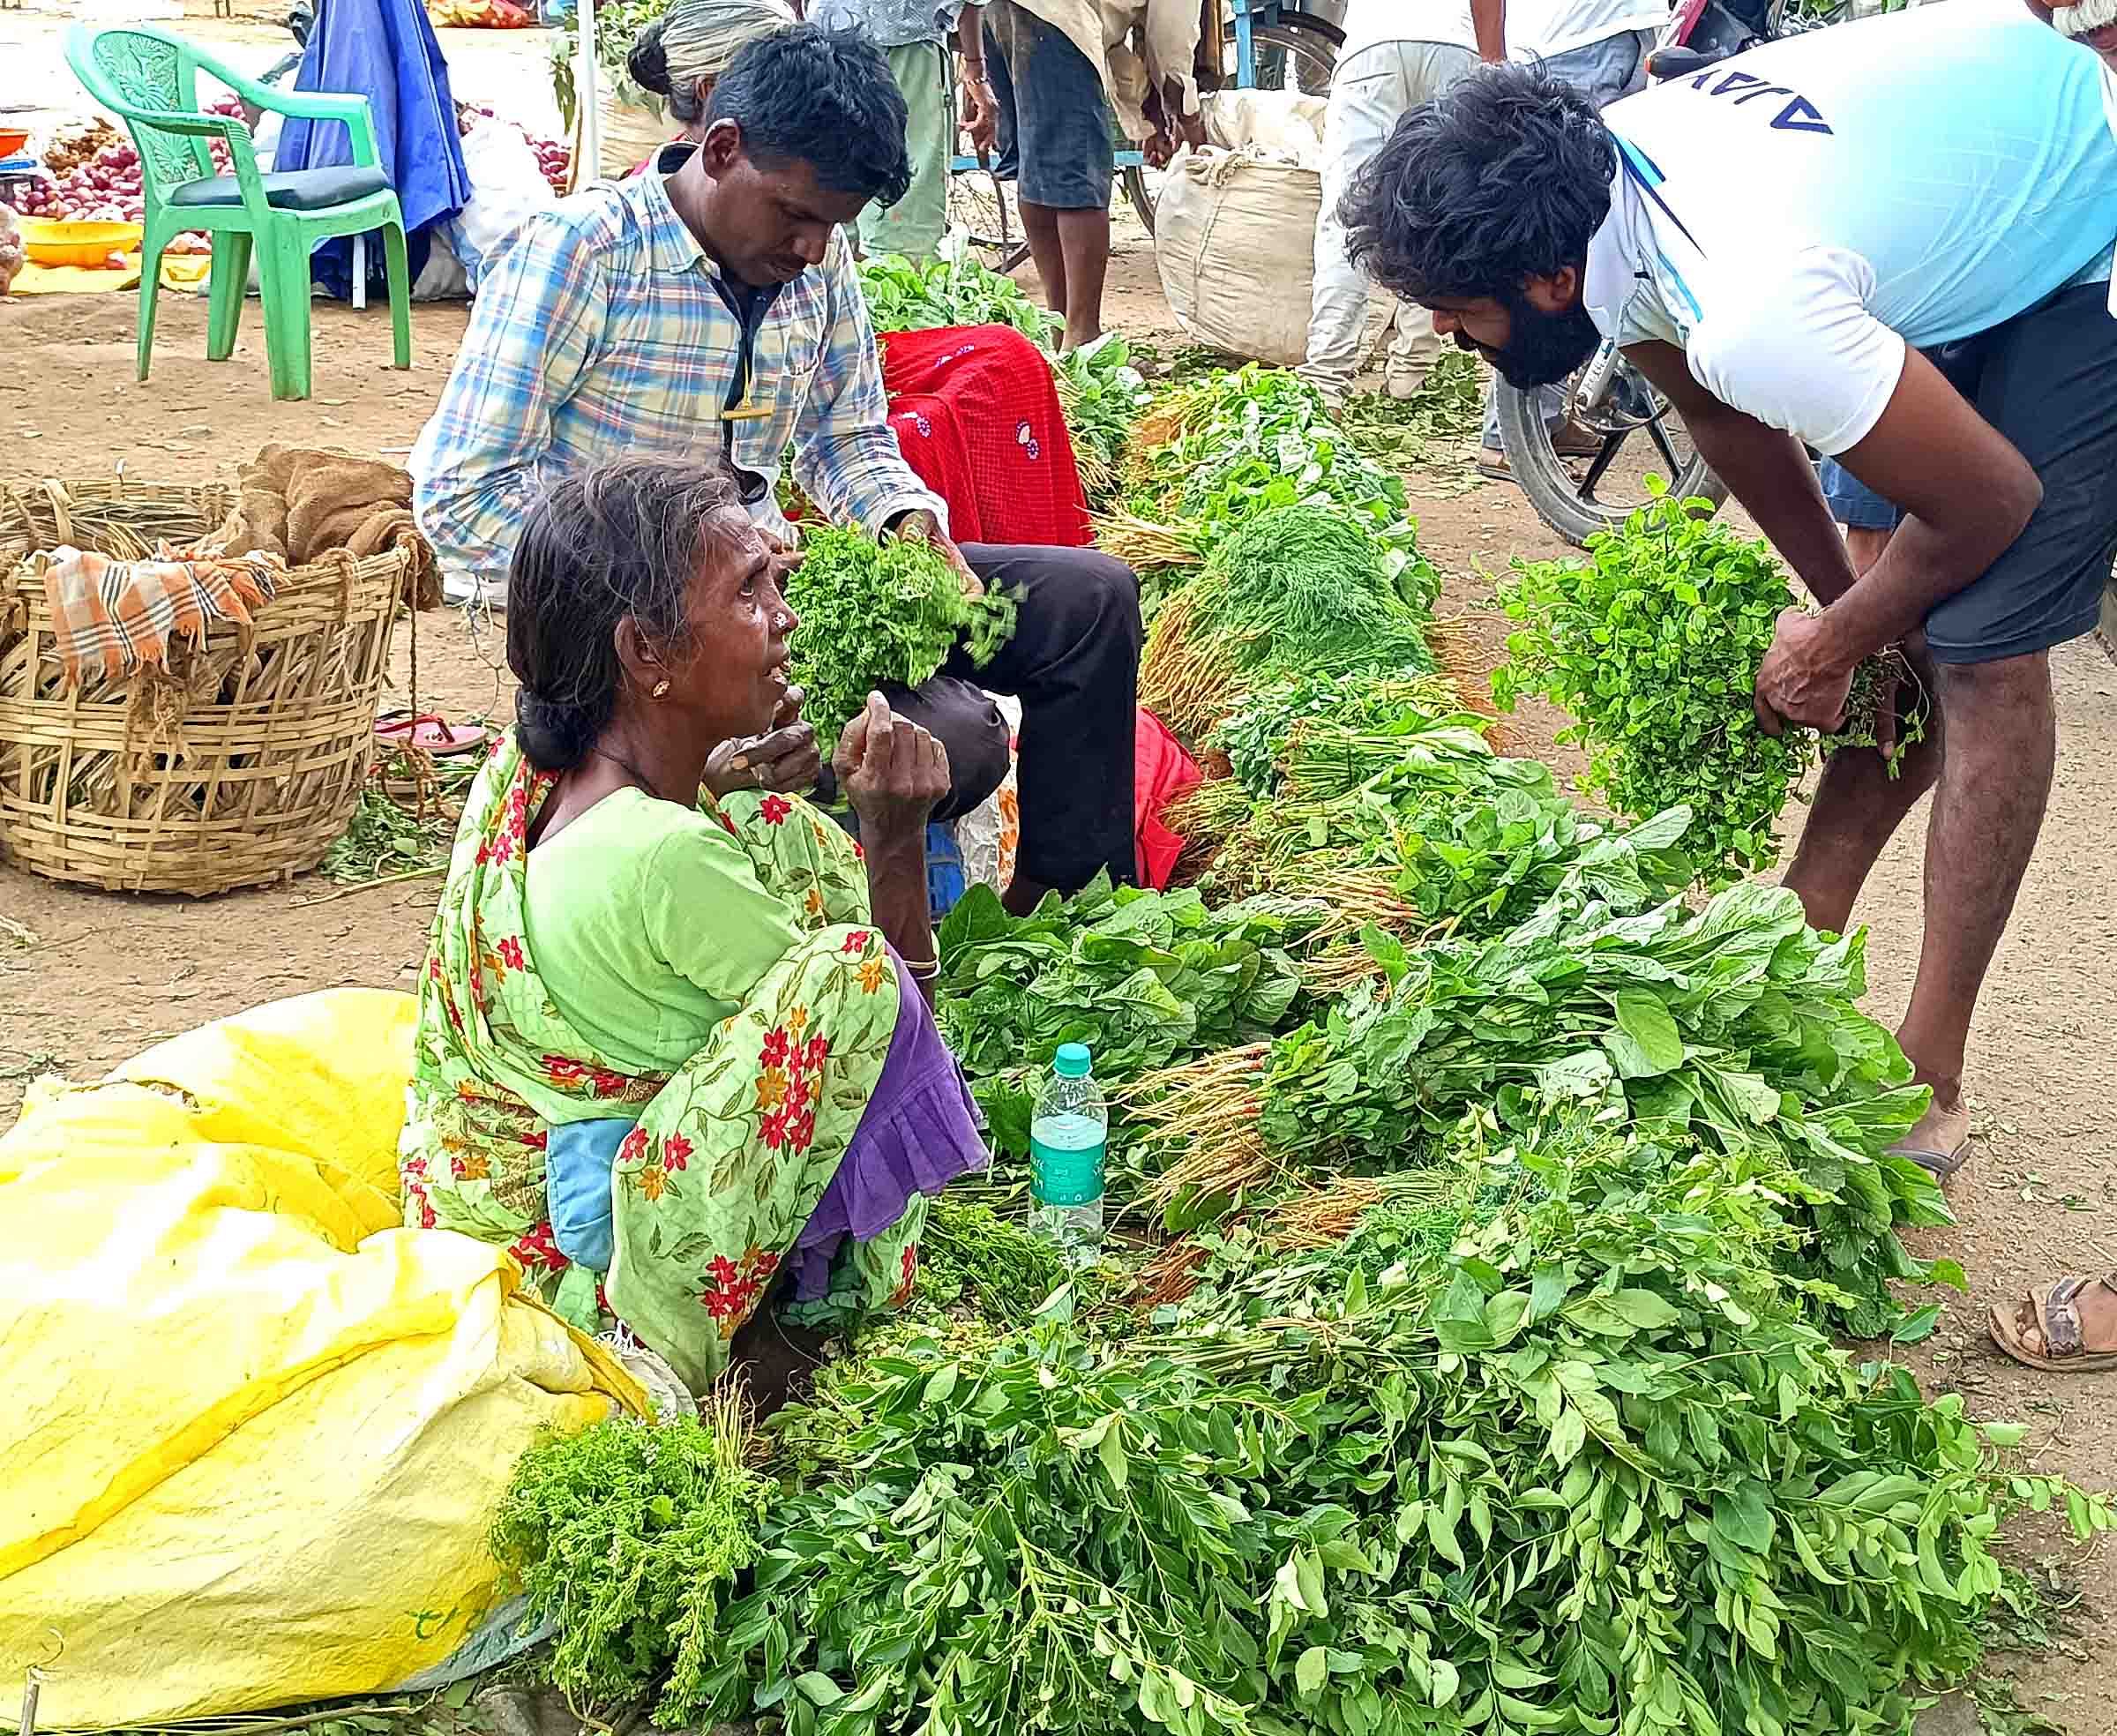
(1988, 806)
(1040, 224)
(1084, 243)
(1857, 805)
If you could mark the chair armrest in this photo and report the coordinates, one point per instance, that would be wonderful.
(353, 110)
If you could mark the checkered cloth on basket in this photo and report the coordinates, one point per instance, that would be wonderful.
(121, 614)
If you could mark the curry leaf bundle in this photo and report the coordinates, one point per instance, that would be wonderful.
(872, 613)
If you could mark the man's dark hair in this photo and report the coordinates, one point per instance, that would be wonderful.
(822, 97)
(1504, 176)
(623, 538)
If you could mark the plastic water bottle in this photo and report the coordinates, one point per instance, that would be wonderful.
(1068, 1133)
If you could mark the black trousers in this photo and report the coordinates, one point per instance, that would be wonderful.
(1075, 664)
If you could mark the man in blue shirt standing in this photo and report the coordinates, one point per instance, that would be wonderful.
(1774, 241)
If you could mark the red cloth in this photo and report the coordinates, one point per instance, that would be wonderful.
(1161, 771)
(977, 416)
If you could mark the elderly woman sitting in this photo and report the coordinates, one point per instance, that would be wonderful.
(673, 1044)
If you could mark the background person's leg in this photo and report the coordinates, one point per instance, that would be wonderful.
(1368, 95)
(1988, 807)
(2048, 381)
(1062, 133)
(915, 223)
(1857, 805)
(1073, 663)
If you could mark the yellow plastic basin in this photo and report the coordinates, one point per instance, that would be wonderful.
(49, 242)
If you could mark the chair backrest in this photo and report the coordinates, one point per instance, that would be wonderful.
(139, 74)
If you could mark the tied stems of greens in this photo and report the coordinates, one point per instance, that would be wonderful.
(873, 613)
(1653, 645)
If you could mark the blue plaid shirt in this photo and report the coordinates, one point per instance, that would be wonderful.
(600, 331)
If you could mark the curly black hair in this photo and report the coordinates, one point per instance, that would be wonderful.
(822, 97)
(623, 538)
(1503, 176)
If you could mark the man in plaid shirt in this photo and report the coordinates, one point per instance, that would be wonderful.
(711, 303)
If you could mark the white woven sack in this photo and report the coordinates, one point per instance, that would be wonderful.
(1234, 242)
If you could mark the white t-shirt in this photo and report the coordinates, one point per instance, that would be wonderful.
(1538, 29)
(1369, 23)
(1793, 219)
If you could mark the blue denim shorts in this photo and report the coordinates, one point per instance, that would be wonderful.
(1852, 503)
(1054, 125)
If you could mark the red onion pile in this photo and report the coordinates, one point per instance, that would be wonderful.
(103, 185)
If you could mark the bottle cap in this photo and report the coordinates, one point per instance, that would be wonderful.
(1072, 1060)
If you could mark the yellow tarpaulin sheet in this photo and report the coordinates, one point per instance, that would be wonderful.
(179, 271)
(254, 1433)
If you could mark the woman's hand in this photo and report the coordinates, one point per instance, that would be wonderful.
(893, 771)
(784, 759)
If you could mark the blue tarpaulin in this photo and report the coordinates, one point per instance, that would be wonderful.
(385, 51)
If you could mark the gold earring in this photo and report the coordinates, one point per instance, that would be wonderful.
(660, 690)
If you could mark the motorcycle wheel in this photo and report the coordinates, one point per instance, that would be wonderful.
(1558, 494)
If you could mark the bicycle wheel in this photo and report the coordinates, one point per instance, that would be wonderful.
(1641, 435)
(1311, 44)
(1132, 182)
(983, 207)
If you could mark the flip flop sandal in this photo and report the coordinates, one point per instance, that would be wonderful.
(1941, 1165)
(2053, 1314)
(429, 731)
(1497, 469)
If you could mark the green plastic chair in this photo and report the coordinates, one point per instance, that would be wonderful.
(150, 78)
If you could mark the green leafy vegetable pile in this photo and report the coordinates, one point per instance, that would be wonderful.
(1735, 1026)
(954, 289)
(873, 612)
(1555, 1448)
(628, 1538)
(1142, 977)
(1217, 452)
(1653, 645)
(1298, 590)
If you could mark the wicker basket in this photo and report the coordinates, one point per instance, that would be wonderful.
(238, 766)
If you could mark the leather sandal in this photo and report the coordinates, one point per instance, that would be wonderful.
(2043, 1330)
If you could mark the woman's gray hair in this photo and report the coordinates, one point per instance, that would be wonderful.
(695, 39)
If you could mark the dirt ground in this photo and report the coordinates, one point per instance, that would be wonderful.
(103, 975)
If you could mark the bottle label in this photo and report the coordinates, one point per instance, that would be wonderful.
(1059, 1177)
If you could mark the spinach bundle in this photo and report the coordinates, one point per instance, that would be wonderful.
(1102, 393)
(1142, 977)
(954, 289)
(1736, 1026)
(1653, 645)
(874, 612)
(1299, 590)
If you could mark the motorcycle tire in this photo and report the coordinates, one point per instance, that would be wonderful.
(1550, 485)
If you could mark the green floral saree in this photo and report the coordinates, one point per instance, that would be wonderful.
(729, 1153)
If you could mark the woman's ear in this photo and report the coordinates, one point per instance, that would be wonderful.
(636, 657)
